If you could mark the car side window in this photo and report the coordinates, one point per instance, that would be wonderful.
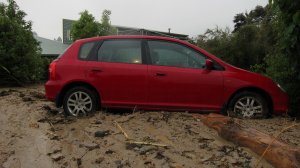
(121, 51)
(85, 50)
(172, 54)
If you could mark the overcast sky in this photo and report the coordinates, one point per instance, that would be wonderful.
(190, 17)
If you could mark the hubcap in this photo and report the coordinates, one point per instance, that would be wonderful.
(248, 107)
(79, 102)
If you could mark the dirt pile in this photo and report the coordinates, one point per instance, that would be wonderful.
(34, 133)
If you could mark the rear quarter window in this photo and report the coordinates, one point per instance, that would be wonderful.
(85, 50)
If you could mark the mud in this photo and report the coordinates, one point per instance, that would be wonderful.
(36, 134)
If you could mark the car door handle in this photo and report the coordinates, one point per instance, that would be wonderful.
(96, 70)
(160, 74)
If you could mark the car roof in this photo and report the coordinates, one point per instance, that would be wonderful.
(129, 37)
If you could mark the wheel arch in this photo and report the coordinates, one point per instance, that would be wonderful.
(257, 90)
(64, 90)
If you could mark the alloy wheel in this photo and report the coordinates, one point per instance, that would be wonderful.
(248, 107)
(79, 103)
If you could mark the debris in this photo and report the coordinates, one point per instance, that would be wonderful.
(189, 154)
(121, 129)
(166, 116)
(78, 161)
(226, 149)
(146, 143)
(34, 125)
(121, 164)
(109, 152)
(130, 146)
(37, 95)
(137, 142)
(90, 146)
(50, 110)
(99, 160)
(102, 134)
(146, 149)
(4, 93)
(262, 144)
(159, 155)
(26, 99)
(57, 156)
(97, 122)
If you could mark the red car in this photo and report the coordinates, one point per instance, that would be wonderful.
(156, 73)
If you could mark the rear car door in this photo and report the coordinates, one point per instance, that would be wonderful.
(118, 72)
(178, 78)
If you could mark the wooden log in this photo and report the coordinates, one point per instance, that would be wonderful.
(278, 154)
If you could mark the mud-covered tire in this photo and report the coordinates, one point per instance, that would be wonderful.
(248, 105)
(79, 101)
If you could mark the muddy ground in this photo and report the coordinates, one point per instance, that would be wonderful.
(35, 134)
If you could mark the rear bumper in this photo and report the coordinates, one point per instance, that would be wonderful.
(52, 89)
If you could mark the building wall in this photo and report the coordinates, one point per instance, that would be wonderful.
(67, 25)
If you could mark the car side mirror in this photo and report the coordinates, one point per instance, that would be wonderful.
(209, 64)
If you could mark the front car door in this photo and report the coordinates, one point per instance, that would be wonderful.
(178, 78)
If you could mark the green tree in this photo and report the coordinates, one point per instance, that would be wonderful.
(85, 27)
(19, 51)
(105, 28)
(284, 62)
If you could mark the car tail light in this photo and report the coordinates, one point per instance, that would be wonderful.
(52, 70)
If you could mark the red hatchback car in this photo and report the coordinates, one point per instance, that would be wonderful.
(156, 73)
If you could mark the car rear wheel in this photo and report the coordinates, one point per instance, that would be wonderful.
(248, 105)
(79, 101)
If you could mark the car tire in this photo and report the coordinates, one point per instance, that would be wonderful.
(248, 105)
(79, 101)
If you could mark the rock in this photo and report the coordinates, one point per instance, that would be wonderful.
(50, 110)
(189, 154)
(90, 146)
(175, 165)
(79, 162)
(53, 137)
(37, 95)
(131, 146)
(26, 99)
(99, 160)
(159, 156)
(34, 125)
(97, 122)
(108, 152)
(4, 93)
(121, 164)
(57, 156)
(102, 134)
(146, 149)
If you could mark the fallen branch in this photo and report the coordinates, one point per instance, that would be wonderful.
(121, 129)
(274, 139)
(275, 152)
(131, 141)
(146, 143)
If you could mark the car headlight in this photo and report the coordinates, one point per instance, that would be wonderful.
(280, 87)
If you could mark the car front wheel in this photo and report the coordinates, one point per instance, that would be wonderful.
(79, 101)
(248, 105)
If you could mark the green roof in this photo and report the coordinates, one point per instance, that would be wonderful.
(51, 47)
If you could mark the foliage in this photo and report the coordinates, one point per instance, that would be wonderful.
(85, 27)
(105, 27)
(19, 51)
(284, 61)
